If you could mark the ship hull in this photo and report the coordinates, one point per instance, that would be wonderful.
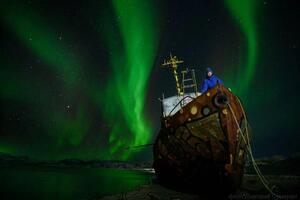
(200, 144)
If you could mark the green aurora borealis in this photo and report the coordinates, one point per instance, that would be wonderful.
(125, 89)
(59, 61)
(131, 70)
(82, 80)
(244, 14)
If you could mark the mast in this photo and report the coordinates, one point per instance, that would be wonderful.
(172, 62)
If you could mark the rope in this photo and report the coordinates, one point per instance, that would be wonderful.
(257, 170)
(247, 134)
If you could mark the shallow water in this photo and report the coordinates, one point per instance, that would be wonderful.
(78, 183)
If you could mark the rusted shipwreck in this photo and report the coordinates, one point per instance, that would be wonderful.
(200, 143)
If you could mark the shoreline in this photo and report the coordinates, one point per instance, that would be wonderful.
(286, 186)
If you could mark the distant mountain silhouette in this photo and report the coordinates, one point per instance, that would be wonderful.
(274, 165)
(7, 160)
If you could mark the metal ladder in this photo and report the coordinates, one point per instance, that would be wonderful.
(189, 80)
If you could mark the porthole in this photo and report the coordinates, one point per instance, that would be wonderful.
(206, 111)
(194, 110)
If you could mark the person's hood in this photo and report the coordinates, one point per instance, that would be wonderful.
(209, 69)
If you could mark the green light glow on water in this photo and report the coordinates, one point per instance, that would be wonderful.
(244, 14)
(131, 68)
(59, 183)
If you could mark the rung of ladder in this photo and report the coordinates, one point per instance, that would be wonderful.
(188, 79)
(189, 86)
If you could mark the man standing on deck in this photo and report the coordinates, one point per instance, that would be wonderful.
(210, 81)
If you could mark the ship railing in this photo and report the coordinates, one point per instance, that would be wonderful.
(180, 103)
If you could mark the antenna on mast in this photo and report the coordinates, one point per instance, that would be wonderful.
(173, 63)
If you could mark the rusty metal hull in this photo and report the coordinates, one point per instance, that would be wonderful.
(200, 144)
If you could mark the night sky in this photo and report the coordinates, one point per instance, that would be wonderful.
(82, 79)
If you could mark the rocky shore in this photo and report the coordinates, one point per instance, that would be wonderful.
(286, 187)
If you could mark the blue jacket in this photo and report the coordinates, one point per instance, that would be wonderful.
(210, 82)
